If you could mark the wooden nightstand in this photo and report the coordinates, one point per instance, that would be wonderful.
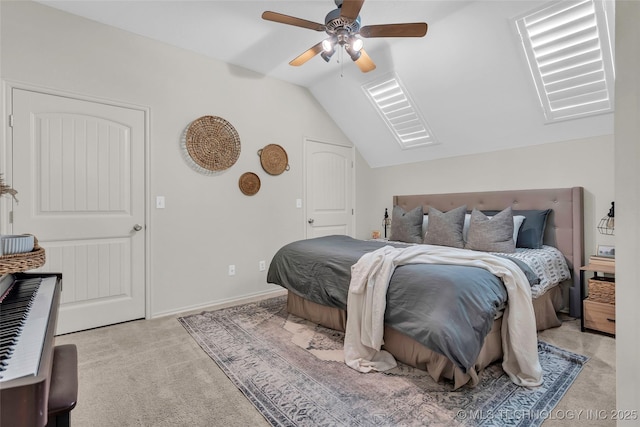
(599, 298)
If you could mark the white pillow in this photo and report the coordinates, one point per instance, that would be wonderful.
(465, 226)
(517, 223)
(425, 222)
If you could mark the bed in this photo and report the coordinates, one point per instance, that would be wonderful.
(317, 288)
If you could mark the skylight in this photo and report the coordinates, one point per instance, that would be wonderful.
(569, 51)
(392, 101)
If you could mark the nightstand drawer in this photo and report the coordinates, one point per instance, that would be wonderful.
(600, 316)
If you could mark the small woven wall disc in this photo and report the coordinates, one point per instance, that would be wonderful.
(249, 183)
(213, 143)
(274, 159)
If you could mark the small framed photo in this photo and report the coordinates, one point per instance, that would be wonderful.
(607, 251)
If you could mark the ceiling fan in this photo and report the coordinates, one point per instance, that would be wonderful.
(343, 27)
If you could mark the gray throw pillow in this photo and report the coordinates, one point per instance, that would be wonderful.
(406, 226)
(445, 229)
(491, 234)
(531, 233)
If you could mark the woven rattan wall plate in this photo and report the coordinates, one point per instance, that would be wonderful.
(274, 159)
(249, 183)
(213, 143)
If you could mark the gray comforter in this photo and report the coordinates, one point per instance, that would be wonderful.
(447, 308)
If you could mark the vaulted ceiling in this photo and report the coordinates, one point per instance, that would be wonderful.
(468, 76)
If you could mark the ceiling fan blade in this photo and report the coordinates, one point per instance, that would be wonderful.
(292, 20)
(416, 29)
(364, 62)
(307, 55)
(351, 8)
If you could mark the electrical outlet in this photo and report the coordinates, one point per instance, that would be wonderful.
(232, 270)
(262, 266)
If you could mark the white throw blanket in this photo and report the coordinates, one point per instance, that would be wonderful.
(366, 304)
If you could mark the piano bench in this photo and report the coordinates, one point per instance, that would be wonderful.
(63, 391)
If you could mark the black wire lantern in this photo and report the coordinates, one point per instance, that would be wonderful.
(607, 223)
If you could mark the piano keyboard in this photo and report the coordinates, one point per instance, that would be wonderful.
(24, 315)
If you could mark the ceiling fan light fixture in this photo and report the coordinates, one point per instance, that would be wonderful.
(357, 44)
(354, 54)
(327, 55)
(328, 45)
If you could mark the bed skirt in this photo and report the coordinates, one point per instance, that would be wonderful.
(412, 353)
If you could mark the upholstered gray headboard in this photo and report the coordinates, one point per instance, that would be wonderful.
(564, 228)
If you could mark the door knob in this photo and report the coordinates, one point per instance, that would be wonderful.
(310, 221)
(137, 227)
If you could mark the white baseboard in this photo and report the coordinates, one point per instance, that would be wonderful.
(216, 305)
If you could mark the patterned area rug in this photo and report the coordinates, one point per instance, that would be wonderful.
(292, 371)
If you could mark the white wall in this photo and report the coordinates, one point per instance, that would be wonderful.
(586, 163)
(627, 159)
(208, 223)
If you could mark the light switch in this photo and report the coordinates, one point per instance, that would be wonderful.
(298, 203)
(160, 202)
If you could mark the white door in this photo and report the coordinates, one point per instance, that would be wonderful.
(78, 167)
(328, 189)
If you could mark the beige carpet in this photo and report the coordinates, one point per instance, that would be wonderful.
(152, 373)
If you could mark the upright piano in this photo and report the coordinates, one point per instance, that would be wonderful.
(28, 313)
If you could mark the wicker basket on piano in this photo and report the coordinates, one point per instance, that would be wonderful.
(16, 263)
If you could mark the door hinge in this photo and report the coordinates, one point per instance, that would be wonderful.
(10, 120)
(10, 217)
